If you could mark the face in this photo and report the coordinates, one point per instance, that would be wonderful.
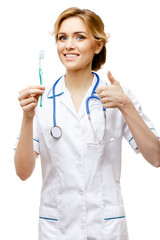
(75, 46)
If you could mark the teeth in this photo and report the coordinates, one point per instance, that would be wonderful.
(70, 55)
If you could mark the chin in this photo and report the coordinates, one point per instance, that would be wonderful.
(76, 67)
(72, 68)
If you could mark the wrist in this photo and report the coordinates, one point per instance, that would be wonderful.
(126, 103)
(27, 118)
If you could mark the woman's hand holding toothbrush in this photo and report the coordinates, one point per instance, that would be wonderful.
(28, 99)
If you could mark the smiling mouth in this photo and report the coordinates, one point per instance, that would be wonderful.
(71, 56)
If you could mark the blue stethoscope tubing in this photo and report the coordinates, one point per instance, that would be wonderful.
(92, 95)
(56, 131)
(54, 102)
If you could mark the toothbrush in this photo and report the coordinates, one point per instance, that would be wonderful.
(41, 57)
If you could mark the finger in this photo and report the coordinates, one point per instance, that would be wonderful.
(105, 92)
(111, 78)
(30, 92)
(27, 101)
(104, 100)
(102, 95)
(98, 90)
(101, 89)
(29, 107)
(107, 103)
(32, 87)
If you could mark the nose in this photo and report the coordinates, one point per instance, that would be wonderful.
(70, 43)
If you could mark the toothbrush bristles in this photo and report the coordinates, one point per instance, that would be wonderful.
(41, 54)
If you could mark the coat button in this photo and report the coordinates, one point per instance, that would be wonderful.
(83, 226)
(81, 191)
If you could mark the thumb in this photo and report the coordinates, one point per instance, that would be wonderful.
(111, 78)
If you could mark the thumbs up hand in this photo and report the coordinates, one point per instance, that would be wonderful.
(112, 96)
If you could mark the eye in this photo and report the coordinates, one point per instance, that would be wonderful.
(62, 38)
(80, 37)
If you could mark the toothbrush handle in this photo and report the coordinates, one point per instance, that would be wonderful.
(41, 100)
(40, 77)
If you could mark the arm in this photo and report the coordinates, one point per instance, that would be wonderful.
(113, 97)
(25, 157)
(147, 142)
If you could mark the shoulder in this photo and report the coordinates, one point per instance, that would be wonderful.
(129, 93)
(132, 97)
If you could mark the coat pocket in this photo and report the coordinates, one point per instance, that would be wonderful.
(115, 223)
(48, 223)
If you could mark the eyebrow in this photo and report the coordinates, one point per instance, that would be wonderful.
(79, 32)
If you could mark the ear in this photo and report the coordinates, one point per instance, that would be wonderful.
(99, 47)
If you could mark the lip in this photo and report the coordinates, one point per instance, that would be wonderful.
(70, 56)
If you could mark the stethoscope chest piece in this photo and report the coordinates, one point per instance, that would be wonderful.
(56, 132)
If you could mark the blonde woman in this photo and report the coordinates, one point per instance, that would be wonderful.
(78, 134)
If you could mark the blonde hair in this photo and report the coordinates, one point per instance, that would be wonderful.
(95, 26)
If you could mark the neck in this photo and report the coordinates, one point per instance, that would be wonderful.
(79, 80)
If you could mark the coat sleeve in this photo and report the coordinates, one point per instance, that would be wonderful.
(126, 131)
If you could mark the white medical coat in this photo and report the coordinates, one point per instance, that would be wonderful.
(81, 194)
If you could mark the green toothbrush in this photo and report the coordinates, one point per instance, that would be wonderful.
(41, 57)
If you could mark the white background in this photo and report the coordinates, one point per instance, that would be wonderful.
(133, 58)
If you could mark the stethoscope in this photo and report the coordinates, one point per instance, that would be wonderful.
(56, 131)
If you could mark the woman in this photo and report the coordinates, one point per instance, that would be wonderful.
(81, 159)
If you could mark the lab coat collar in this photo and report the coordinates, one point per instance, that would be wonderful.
(63, 94)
